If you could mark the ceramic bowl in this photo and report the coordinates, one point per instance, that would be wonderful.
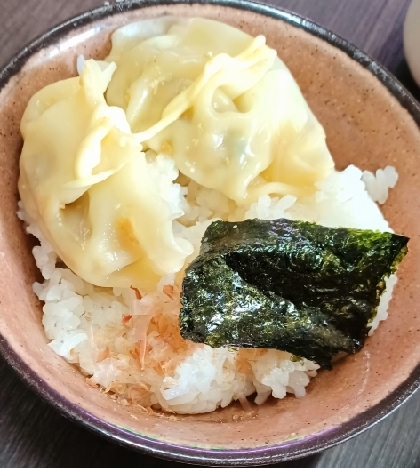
(370, 120)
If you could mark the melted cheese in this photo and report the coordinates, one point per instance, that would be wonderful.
(86, 182)
(226, 106)
(218, 102)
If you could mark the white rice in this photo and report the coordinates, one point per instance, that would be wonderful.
(80, 63)
(378, 184)
(132, 348)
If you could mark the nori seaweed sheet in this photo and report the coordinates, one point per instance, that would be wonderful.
(291, 285)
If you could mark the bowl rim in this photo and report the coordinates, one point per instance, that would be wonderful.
(289, 450)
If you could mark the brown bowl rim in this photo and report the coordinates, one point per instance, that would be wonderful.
(306, 446)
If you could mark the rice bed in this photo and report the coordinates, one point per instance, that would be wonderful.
(129, 344)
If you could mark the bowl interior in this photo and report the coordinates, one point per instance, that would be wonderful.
(365, 126)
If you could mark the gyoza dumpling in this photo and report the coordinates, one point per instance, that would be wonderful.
(221, 103)
(88, 185)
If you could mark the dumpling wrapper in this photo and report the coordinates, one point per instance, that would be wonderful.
(218, 101)
(244, 129)
(86, 182)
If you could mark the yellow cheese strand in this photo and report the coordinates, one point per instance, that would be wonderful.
(255, 53)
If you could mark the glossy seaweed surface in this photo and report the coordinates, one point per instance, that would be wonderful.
(291, 285)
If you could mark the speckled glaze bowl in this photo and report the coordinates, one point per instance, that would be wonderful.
(370, 120)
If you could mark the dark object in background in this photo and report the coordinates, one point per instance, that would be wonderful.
(291, 285)
(404, 75)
